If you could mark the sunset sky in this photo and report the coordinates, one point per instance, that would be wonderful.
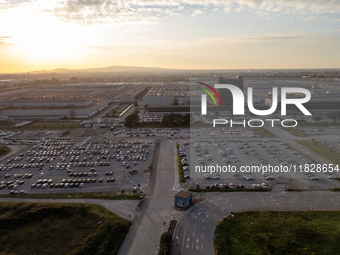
(190, 34)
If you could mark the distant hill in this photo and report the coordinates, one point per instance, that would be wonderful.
(109, 69)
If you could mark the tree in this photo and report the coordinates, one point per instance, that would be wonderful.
(122, 191)
(317, 117)
(132, 120)
(332, 115)
(176, 119)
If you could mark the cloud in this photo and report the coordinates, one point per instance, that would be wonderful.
(5, 40)
(297, 36)
(197, 12)
(122, 11)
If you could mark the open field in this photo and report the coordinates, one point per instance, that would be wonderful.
(306, 124)
(295, 131)
(4, 150)
(88, 195)
(311, 232)
(263, 132)
(39, 228)
(322, 150)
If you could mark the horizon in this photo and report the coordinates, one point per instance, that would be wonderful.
(161, 68)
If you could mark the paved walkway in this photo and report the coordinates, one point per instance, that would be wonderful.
(147, 227)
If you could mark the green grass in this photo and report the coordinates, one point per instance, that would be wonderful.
(227, 190)
(296, 132)
(52, 125)
(263, 132)
(180, 166)
(306, 124)
(303, 233)
(67, 132)
(322, 150)
(45, 228)
(4, 150)
(166, 239)
(89, 195)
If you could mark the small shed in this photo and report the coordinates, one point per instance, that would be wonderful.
(183, 199)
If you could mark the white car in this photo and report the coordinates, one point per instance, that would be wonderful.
(331, 177)
(314, 178)
(41, 174)
(264, 185)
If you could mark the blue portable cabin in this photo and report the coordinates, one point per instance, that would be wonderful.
(183, 199)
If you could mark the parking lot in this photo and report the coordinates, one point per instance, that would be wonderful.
(54, 165)
(171, 133)
(224, 133)
(236, 155)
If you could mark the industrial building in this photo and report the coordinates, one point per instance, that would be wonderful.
(54, 102)
(43, 113)
(159, 100)
(315, 103)
(225, 94)
(196, 85)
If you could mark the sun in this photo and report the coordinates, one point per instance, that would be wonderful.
(39, 37)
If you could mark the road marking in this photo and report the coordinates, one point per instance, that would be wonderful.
(183, 240)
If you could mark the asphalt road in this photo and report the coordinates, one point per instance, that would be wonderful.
(147, 227)
(194, 233)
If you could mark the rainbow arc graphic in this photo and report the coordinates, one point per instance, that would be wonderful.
(209, 93)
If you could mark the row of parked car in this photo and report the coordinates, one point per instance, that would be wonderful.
(184, 161)
(230, 186)
(11, 184)
(70, 183)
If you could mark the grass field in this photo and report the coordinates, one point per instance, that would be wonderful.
(303, 233)
(87, 195)
(322, 150)
(180, 166)
(53, 125)
(263, 132)
(4, 150)
(45, 228)
(296, 132)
